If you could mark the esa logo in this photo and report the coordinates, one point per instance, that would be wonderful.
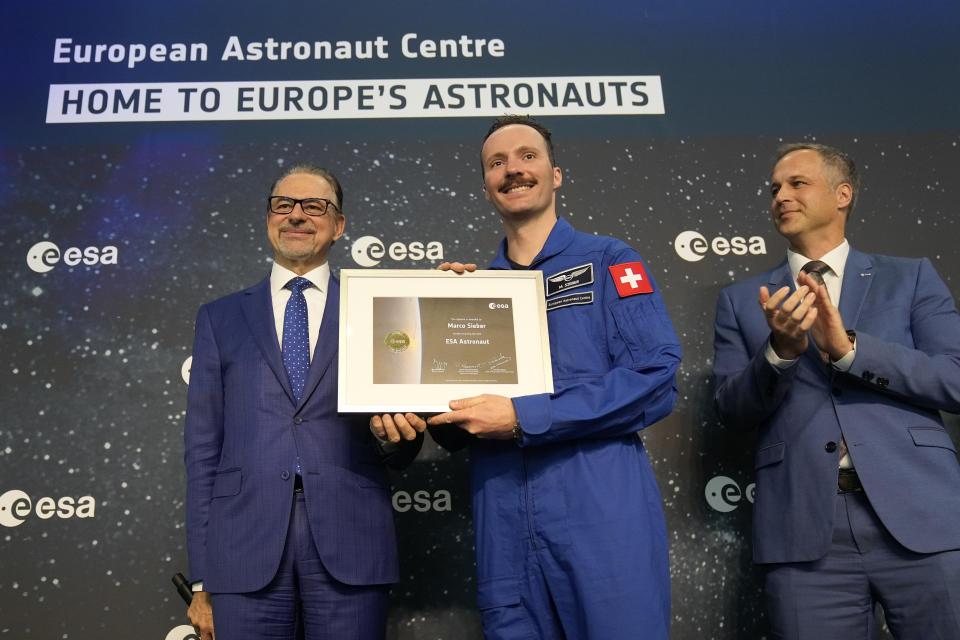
(723, 494)
(368, 251)
(692, 246)
(421, 501)
(185, 369)
(44, 256)
(182, 632)
(16, 507)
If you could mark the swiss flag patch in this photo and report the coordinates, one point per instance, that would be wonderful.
(630, 279)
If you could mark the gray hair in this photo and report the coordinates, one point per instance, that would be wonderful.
(840, 167)
(312, 170)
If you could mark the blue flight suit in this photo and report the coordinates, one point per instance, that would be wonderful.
(572, 520)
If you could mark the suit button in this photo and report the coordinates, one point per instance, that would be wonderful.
(831, 446)
(882, 382)
(285, 475)
(298, 420)
(837, 391)
(867, 375)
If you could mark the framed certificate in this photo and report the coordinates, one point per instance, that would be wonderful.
(414, 340)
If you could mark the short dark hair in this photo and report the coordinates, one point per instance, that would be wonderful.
(840, 166)
(313, 170)
(527, 121)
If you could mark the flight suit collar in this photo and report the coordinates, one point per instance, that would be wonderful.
(561, 235)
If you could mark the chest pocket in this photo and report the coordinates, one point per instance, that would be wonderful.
(577, 341)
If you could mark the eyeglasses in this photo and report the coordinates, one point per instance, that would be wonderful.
(311, 206)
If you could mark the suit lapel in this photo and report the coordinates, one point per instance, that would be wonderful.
(257, 305)
(857, 278)
(328, 341)
(780, 277)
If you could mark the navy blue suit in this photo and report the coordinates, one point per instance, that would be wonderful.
(243, 436)
(886, 407)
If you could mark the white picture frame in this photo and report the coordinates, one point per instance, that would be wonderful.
(362, 387)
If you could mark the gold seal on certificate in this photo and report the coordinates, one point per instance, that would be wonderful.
(414, 340)
(396, 341)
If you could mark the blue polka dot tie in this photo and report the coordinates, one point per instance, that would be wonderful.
(296, 336)
(296, 340)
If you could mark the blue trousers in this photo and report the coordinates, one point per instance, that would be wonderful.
(834, 597)
(564, 597)
(302, 592)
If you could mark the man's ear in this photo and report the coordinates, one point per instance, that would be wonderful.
(844, 194)
(339, 227)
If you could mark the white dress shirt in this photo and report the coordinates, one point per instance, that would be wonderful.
(316, 297)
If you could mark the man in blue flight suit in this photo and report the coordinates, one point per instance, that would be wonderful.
(570, 534)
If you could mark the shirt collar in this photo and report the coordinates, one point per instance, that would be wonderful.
(836, 259)
(280, 276)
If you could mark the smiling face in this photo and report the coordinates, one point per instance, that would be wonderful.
(519, 179)
(301, 242)
(806, 209)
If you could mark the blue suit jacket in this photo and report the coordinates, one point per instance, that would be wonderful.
(243, 436)
(907, 367)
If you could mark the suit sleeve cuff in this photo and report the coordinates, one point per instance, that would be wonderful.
(776, 360)
(843, 364)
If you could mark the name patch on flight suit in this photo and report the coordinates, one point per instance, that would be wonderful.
(570, 279)
(570, 300)
(630, 279)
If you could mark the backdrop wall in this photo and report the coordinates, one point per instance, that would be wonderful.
(137, 143)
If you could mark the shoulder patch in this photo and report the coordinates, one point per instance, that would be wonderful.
(570, 279)
(630, 278)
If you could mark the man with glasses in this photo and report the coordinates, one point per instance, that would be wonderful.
(288, 509)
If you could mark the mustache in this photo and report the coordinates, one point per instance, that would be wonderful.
(302, 227)
(513, 182)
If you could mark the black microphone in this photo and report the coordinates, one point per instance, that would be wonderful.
(183, 587)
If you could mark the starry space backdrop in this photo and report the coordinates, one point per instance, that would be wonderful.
(93, 356)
